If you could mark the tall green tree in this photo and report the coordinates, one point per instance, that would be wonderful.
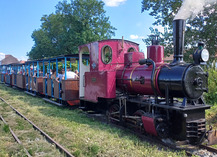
(202, 28)
(73, 24)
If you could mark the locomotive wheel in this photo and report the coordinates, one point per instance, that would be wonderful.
(138, 123)
(113, 113)
(162, 130)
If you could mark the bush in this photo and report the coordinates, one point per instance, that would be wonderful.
(211, 96)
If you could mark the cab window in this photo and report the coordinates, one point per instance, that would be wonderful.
(106, 54)
(131, 49)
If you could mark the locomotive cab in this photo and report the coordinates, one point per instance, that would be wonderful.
(98, 78)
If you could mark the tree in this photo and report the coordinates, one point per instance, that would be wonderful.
(202, 28)
(73, 24)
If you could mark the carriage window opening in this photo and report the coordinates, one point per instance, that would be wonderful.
(85, 56)
(106, 54)
(131, 49)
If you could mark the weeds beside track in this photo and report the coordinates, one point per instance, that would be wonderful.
(12, 118)
(80, 135)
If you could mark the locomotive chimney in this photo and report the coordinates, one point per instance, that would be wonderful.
(178, 40)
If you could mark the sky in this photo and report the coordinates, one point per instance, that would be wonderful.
(19, 18)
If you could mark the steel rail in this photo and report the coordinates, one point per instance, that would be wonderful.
(208, 148)
(151, 139)
(15, 137)
(48, 138)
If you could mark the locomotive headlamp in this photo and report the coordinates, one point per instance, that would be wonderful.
(201, 54)
(204, 55)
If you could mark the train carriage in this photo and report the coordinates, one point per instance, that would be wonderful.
(67, 91)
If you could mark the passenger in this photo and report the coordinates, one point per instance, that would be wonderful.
(40, 73)
(53, 74)
(53, 77)
(27, 72)
(70, 74)
(77, 73)
(23, 72)
(60, 76)
(59, 79)
(51, 71)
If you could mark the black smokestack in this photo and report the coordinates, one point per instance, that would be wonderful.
(178, 40)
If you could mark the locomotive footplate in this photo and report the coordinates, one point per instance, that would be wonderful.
(176, 105)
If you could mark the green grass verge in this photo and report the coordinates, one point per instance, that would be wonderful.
(82, 136)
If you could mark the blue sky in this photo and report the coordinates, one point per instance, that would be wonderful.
(19, 18)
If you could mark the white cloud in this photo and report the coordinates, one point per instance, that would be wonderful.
(23, 58)
(160, 28)
(113, 3)
(2, 56)
(136, 37)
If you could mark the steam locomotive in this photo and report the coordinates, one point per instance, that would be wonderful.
(165, 100)
(162, 99)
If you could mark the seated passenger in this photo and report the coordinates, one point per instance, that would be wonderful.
(60, 76)
(76, 71)
(70, 74)
(40, 73)
(59, 79)
(53, 77)
(53, 74)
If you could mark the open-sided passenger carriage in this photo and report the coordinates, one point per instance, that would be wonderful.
(66, 92)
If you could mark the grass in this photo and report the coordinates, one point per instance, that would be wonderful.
(8, 147)
(30, 138)
(211, 116)
(80, 135)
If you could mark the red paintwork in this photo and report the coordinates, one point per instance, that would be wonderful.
(133, 57)
(156, 76)
(156, 53)
(117, 53)
(103, 79)
(100, 84)
(73, 102)
(128, 77)
(149, 126)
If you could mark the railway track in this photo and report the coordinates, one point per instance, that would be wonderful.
(15, 136)
(200, 151)
(46, 136)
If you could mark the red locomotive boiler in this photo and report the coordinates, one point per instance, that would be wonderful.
(143, 92)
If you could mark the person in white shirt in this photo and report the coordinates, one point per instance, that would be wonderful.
(70, 74)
